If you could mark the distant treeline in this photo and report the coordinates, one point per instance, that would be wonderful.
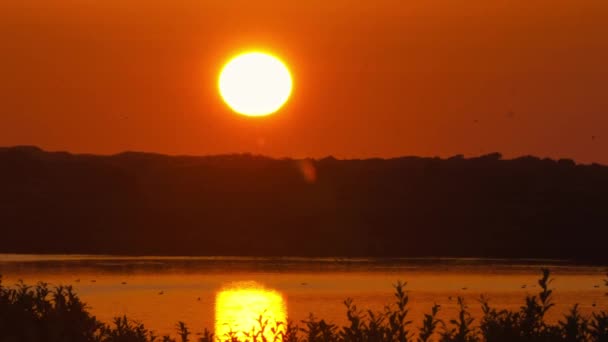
(138, 203)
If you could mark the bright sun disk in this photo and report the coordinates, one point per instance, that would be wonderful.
(255, 84)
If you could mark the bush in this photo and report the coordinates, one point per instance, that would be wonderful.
(41, 314)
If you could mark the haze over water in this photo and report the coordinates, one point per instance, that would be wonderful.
(159, 291)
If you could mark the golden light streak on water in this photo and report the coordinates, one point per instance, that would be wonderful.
(239, 305)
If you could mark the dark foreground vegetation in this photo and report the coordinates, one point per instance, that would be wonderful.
(147, 204)
(33, 314)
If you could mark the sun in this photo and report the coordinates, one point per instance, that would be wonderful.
(255, 83)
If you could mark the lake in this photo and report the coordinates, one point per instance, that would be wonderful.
(160, 291)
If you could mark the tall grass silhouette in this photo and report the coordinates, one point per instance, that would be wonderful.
(40, 313)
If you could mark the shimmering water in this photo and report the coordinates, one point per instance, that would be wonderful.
(159, 291)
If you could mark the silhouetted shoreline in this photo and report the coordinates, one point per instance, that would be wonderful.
(245, 205)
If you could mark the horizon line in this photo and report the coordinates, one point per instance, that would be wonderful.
(460, 156)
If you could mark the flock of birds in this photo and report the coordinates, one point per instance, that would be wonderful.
(160, 293)
(524, 286)
(125, 283)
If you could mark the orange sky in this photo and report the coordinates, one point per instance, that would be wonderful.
(372, 78)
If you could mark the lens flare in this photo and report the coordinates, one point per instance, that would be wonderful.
(308, 170)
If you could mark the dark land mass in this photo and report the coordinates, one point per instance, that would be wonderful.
(149, 204)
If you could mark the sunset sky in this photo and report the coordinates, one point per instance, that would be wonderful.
(371, 78)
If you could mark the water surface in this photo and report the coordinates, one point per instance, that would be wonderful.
(159, 291)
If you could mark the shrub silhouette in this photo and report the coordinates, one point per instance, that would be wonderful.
(462, 331)
(42, 314)
(429, 324)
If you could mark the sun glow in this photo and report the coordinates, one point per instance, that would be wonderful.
(255, 84)
(239, 306)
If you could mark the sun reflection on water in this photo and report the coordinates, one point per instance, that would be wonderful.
(239, 305)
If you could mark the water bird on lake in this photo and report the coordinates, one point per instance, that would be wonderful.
(523, 286)
(77, 281)
(465, 288)
(199, 299)
(124, 283)
(161, 292)
(93, 281)
(596, 286)
(303, 284)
